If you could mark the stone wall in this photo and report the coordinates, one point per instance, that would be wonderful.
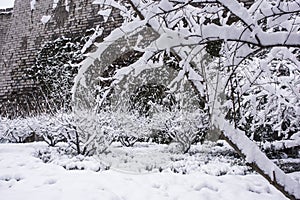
(26, 36)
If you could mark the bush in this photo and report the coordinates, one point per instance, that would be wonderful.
(19, 130)
(55, 68)
(184, 127)
(130, 127)
(94, 132)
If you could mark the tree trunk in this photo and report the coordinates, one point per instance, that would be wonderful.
(261, 164)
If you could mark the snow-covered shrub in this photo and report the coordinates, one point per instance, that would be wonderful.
(94, 131)
(59, 156)
(53, 128)
(46, 127)
(143, 101)
(160, 137)
(183, 126)
(20, 130)
(148, 94)
(283, 148)
(55, 68)
(130, 127)
(268, 108)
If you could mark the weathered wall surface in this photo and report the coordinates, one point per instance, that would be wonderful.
(27, 34)
(5, 19)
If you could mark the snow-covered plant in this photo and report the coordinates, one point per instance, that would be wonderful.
(20, 130)
(270, 103)
(53, 129)
(130, 127)
(44, 127)
(146, 95)
(187, 29)
(94, 131)
(55, 68)
(183, 126)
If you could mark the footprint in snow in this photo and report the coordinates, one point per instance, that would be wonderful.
(156, 186)
(9, 177)
(205, 186)
(259, 190)
(21, 164)
(50, 181)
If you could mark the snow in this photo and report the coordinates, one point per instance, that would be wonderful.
(98, 32)
(55, 2)
(239, 11)
(24, 176)
(32, 4)
(67, 6)
(45, 19)
(66, 3)
(105, 13)
(282, 144)
(110, 3)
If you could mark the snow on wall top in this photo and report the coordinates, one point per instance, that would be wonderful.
(6, 11)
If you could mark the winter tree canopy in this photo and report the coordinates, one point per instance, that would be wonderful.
(243, 61)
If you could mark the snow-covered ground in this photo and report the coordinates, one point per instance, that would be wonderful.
(133, 175)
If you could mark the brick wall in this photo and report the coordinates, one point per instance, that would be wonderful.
(5, 19)
(26, 36)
